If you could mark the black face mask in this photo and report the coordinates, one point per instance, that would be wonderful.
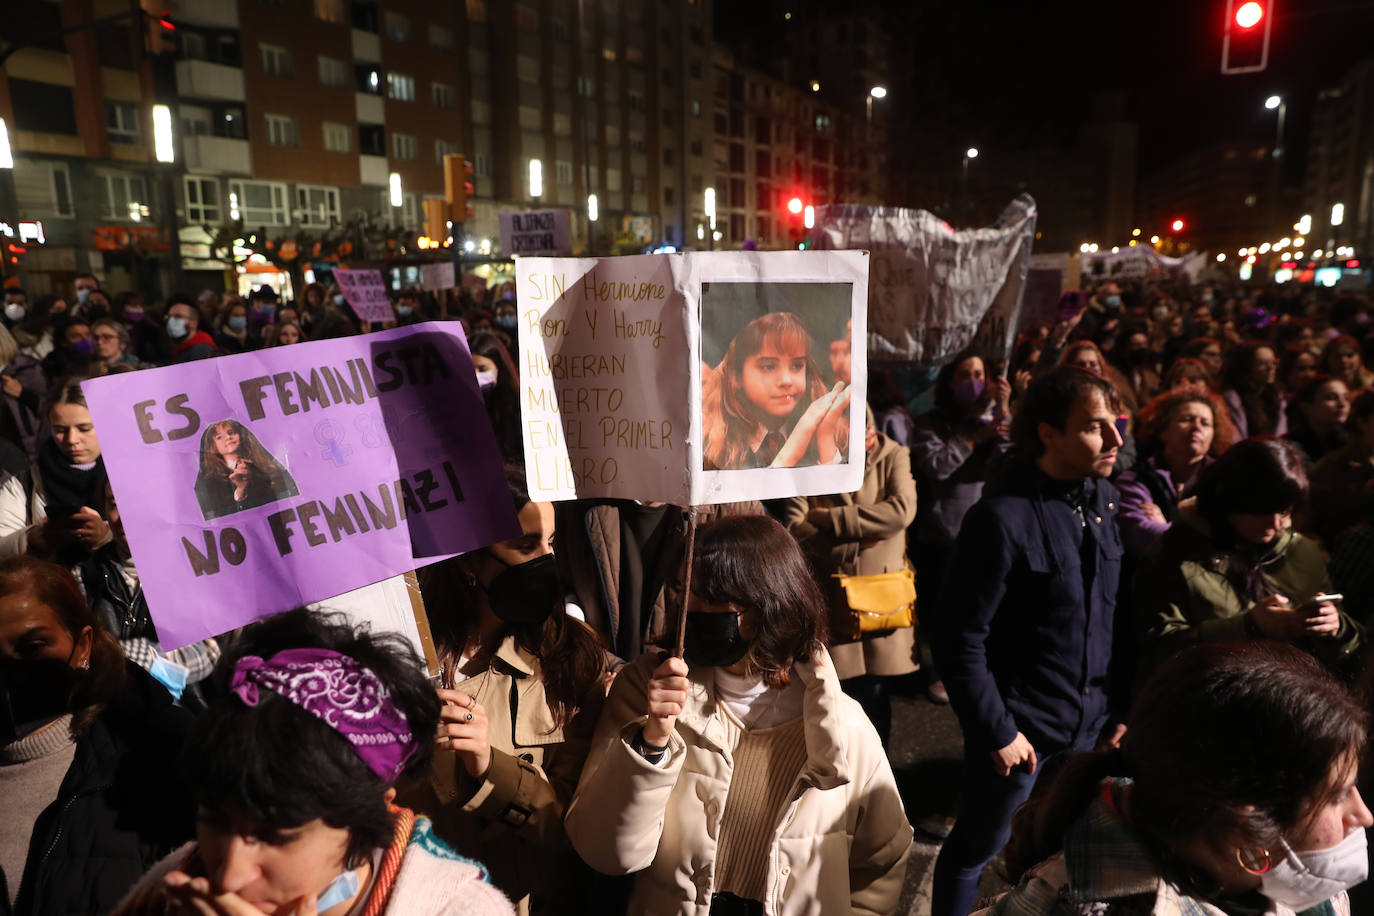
(526, 593)
(33, 693)
(714, 640)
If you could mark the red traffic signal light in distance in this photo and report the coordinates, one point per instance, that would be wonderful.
(1177, 225)
(1245, 38)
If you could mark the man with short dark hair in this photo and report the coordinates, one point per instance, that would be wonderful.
(189, 342)
(1023, 626)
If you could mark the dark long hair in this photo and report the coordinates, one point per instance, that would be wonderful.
(503, 399)
(729, 426)
(571, 660)
(1263, 403)
(1232, 743)
(283, 767)
(751, 561)
(945, 403)
(54, 587)
(1253, 476)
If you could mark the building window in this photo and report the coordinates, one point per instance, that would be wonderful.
(124, 197)
(608, 54)
(586, 87)
(121, 122)
(331, 11)
(696, 108)
(527, 68)
(440, 37)
(195, 122)
(562, 126)
(404, 146)
(397, 26)
(477, 10)
(233, 127)
(481, 165)
(637, 184)
(202, 200)
(613, 179)
(443, 148)
(668, 156)
(261, 202)
(336, 137)
(669, 197)
(276, 60)
(695, 147)
(333, 72)
(635, 101)
(371, 140)
(43, 187)
(367, 78)
(316, 205)
(443, 95)
(529, 117)
(281, 130)
(563, 172)
(400, 87)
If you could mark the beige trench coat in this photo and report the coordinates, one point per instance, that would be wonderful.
(841, 846)
(865, 534)
(512, 820)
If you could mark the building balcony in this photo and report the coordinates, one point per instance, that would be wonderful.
(372, 170)
(217, 155)
(213, 13)
(370, 109)
(201, 79)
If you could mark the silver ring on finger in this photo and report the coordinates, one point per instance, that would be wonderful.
(468, 717)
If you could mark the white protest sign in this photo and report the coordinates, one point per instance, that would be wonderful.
(934, 291)
(437, 276)
(535, 232)
(692, 378)
(366, 293)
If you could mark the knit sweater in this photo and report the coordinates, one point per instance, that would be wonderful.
(31, 774)
(767, 761)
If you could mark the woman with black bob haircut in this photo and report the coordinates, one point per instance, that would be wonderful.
(743, 776)
(1233, 792)
(521, 684)
(311, 721)
(1232, 566)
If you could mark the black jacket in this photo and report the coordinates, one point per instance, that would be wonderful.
(121, 808)
(1022, 631)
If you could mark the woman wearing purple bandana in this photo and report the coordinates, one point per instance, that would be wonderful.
(310, 724)
(521, 683)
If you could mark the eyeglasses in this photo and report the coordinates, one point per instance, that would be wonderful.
(106, 336)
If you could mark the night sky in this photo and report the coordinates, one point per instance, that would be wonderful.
(1023, 74)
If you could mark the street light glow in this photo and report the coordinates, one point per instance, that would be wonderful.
(809, 216)
(815, 85)
(1264, 248)
(709, 203)
(593, 208)
(1135, 233)
(536, 178)
(6, 154)
(1337, 214)
(1221, 257)
(397, 199)
(1273, 102)
(1083, 248)
(878, 92)
(1299, 242)
(162, 134)
(1154, 240)
(972, 152)
(1304, 225)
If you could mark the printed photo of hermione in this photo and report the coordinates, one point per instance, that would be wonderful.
(767, 403)
(237, 472)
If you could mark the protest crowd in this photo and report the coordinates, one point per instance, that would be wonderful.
(1143, 555)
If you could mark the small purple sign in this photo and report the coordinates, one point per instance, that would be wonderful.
(252, 484)
(366, 293)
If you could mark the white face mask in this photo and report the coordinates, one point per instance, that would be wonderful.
(1304, 879)
(14, 311)
(486, 379)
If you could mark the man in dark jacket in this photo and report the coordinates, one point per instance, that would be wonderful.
(1023, 626)
(189, 342)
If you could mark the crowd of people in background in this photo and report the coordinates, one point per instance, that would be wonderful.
(1143, 549)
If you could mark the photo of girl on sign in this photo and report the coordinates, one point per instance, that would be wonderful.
(237, 473)
(767, 403)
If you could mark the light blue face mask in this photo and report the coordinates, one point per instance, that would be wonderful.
(170, 675)
(176, 328)
(339, 300)
(342, 888)
(404, 311)
(237, 323)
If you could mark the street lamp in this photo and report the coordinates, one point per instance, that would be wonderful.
(1337, 214)
(536, 178)
(593, 208)
(877, 92)
(6, 154)
(709, 205)
(162, 134)
(1272, 103)
(397, 198)
(971, 153)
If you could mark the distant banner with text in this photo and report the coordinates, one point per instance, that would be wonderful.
(252, 484)
(535, 232)
(693, 378)
(935, 291)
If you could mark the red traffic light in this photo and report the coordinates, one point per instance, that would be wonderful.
(1177, 225)
(1248, 15)
(795, 205)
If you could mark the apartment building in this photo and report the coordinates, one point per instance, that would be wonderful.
(293, 116)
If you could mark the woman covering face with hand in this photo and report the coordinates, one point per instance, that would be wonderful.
(521, 684)
(742, 778)
(310, 724)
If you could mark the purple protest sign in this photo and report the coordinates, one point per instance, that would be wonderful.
(366, 293)
(252, 484)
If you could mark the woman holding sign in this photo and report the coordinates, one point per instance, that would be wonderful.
(521, 683)
(767, 406)
(237, 473)
(743, 776)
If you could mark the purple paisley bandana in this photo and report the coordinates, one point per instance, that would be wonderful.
(339, 692)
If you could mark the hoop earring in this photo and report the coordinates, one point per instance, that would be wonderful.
(1251, 869)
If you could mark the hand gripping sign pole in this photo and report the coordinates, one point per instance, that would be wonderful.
(690, 515)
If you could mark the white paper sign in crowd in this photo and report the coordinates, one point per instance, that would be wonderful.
(935, 291)
(366, 293)
(693, 378)
(437, 276)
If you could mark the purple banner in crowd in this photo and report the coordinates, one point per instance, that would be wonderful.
(251, 484)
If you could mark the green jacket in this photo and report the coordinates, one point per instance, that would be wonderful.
(1182, 594)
